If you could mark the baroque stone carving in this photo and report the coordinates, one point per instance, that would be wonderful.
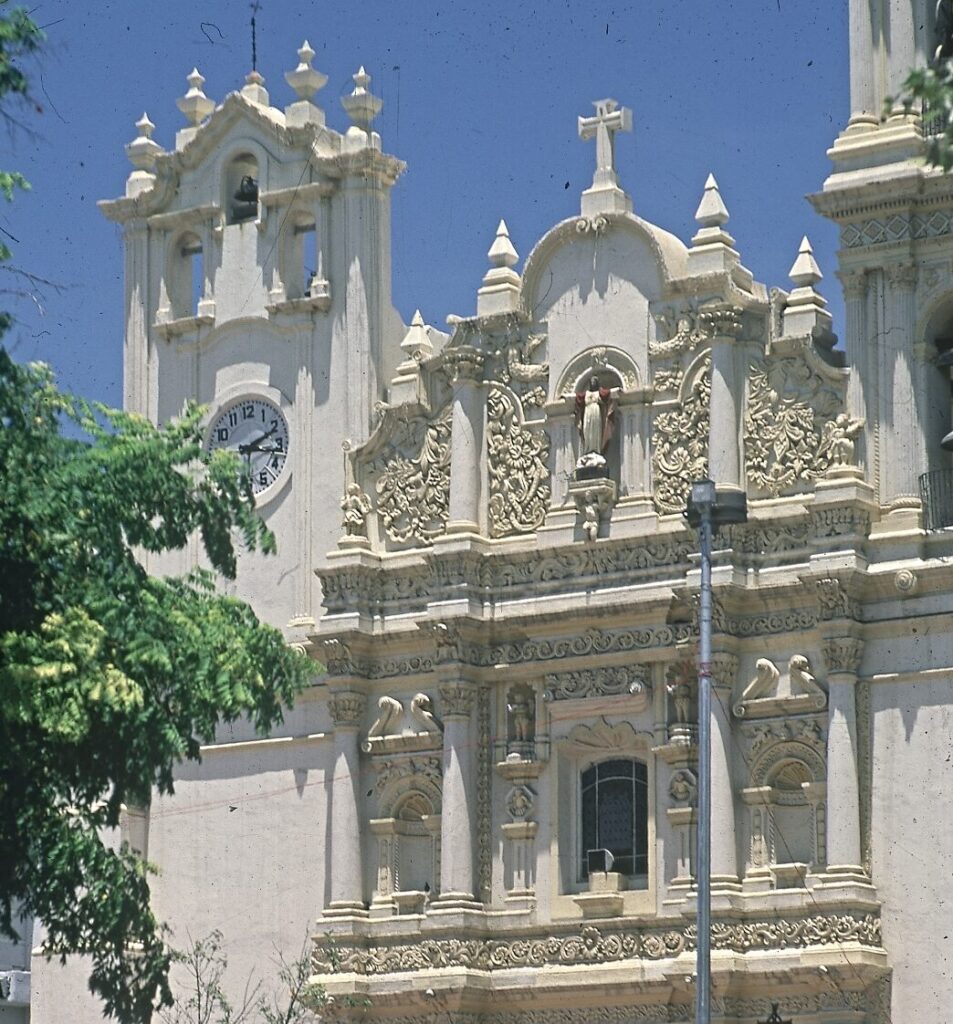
(520, 714)
(463, 363)
(905, 580)
(590, 945)
(601, 736)
(680, 446)
(347, 708)
(685, 331)
(833, 600)
(800, 730)
(356, 507)
(898, 227)
(519, 802)
(518, 468)
(684, 787)
(413, 490)
(836, 446)
(424, 769)
(843, 654)
(789, 406)
(391, 711)
(457, 701)
(764, 695)
(602, 681)
(484, 789)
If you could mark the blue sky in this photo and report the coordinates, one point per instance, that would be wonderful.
(480, 100)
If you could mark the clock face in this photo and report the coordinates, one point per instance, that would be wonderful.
(257, 430)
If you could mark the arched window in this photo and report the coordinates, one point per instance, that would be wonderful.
(615, 815)
(241, 189)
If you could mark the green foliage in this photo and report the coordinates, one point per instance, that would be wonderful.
(110, 677)
(201, 997)
(930, 90)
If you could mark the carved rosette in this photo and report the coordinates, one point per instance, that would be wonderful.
(347, 708)
(518, 468)
(603, 681)
(413, 489)
(457, 701)
(843, 654)
(680, 446)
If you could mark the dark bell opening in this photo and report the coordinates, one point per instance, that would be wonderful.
(245, 204)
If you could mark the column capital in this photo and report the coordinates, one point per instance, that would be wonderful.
(463, 365)
(842, 655)
(722, 320)
(457, 700)
(724, 670)
(854, 283)
(347, 708)
(902, 276)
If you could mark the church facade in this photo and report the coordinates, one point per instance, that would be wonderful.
(484, 809)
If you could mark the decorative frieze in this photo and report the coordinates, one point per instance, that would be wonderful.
(601, 681)
(590, 945)
(896, 227)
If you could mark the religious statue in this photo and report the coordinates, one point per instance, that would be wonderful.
(595, 421)
(943, 28)
(521, 714)
(838, 439)
(356, 507)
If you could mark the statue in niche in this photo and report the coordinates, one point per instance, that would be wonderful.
(356, 507)
(521, 720)
(944, 31)
(595, 421)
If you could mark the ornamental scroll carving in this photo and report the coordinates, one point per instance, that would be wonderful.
(609, 681)
(518, 467)
(591, 945)
(794, 429)
(413, 488)
(680, 445)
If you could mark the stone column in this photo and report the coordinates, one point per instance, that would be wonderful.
(458, 812)
(901, 432)
(864, 64)
(857, 350)
(347, 881)
(464, 366)
(727, 398)
(724, 855)
(842, 655)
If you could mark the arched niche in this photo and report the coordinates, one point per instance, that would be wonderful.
(408, 837)
(185, 276)
(786, 813)
(935, 398)
(241, 184)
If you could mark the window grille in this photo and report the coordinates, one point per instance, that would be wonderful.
(615, 815)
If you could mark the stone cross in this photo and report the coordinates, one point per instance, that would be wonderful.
(608, 119)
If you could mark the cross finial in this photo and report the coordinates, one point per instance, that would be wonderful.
(609, 118)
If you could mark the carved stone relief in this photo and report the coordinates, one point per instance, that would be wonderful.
(602, 681)
(601, 736)
(684, 331)
(767, 694)
(792, 430)
(518, 468)
(387, 734)
(413, 486)
(680, 445)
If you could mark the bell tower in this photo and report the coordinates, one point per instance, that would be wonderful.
(258, 284)
(895, 215)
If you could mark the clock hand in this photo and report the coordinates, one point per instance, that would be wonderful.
(255, 446)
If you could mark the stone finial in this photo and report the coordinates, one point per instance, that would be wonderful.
(305, 80)
(501, 252)
(711, 212)
(362, 106)
(805, 272)
(416, 341)
(500, 292)
(195, 105)
(805, 312)
(142, 151)
(254, 89)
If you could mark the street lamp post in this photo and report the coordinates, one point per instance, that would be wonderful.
(706, 511)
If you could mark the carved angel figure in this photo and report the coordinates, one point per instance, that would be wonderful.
(520, 710)
(356, 507)
(837, 439)
(421, 707)
(390, 711)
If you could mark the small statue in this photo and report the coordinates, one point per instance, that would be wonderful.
(681, 693)
(595, 421)
(356, 506)
(520, 709)
(838, 439)
(590, 515)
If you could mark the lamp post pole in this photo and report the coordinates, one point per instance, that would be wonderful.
(706, 511)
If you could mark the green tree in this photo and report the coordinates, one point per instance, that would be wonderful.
(110, 677)
(930, 90)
